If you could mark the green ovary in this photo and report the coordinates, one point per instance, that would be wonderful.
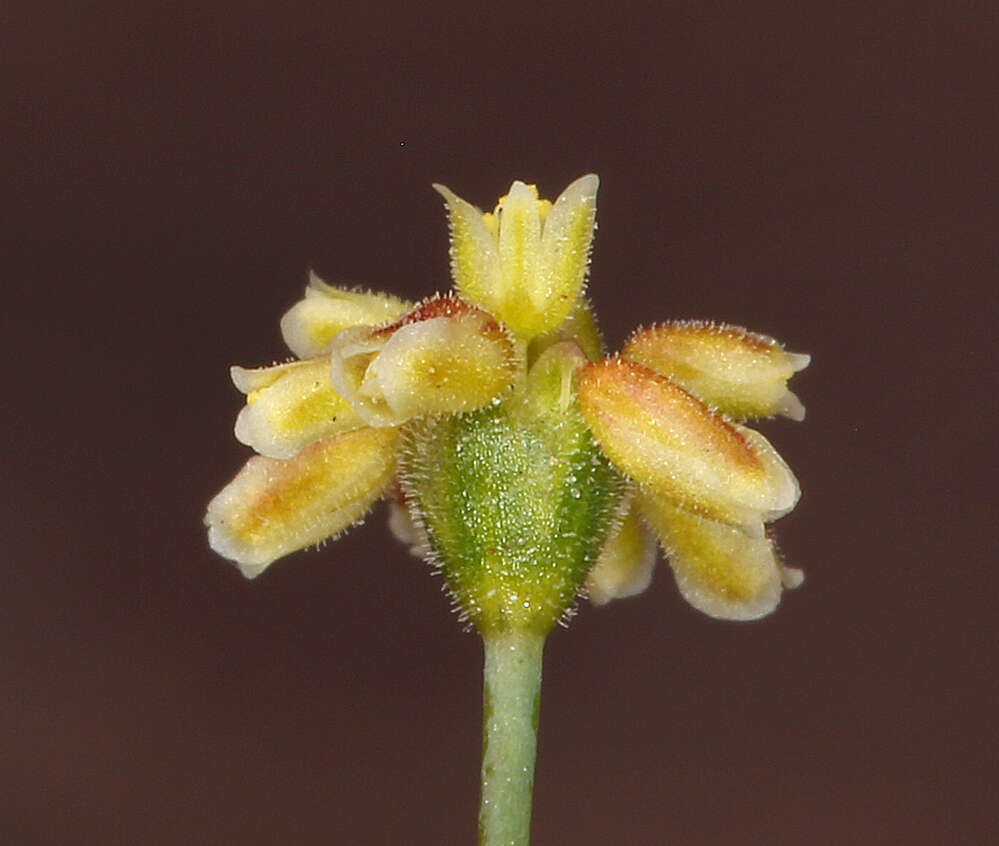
(517, 507)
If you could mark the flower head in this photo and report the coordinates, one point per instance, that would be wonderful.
(519, 459)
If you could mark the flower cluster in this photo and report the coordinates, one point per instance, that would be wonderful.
(385, 394)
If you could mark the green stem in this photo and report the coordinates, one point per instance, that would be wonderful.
(511, 704)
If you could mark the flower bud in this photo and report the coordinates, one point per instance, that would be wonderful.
(275, 507)
(742, 374)
(677, 449)
(446, 356)
(552, 380)
(309, 325)
(290, 406)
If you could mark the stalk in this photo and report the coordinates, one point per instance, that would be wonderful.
(511, 706)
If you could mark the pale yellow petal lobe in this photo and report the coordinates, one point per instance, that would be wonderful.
(291, 406)
(626, 562)
(475, 263)
(310, 324)
(274, 507)
(565, 249)
(719, 569)
(519, 244)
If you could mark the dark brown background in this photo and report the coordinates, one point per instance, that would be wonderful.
(825, 174)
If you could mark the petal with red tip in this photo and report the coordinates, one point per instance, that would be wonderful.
(446, 356)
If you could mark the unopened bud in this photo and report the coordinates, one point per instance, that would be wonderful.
(275, 507)
(309, 325)
(290, 406)
(742, 374)
(444, 357)
(676, 448)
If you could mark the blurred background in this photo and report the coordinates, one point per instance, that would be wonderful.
(823, 173)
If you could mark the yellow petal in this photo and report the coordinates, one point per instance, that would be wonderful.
(719, 569)
(275, 507)
(673, 445)
(625, 565)
(291, 406)
(310, 324)
(445, 357)
(475, 263)
(519, 244)
(740, 373)
(565, 252)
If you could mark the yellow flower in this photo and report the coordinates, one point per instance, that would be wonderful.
(506, 438)
(527, 261)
